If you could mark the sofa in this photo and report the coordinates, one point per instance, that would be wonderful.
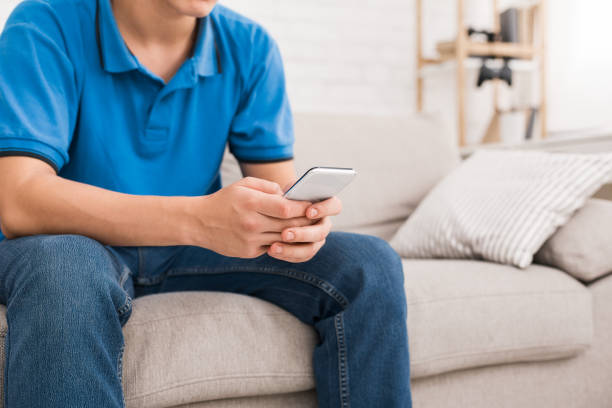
(481, 334)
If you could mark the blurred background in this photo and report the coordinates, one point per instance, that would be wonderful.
(360, 56)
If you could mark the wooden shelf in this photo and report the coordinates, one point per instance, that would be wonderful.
(532, 22)
(435, 66)
(447, 50)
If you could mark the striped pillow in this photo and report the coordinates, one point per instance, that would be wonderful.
(501, 206)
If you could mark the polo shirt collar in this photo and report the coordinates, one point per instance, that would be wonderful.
(206, 52)
(116, 57)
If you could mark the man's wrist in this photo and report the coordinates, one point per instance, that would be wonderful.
(189, 214)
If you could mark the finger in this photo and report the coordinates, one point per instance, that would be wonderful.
(263, 224)
(265, 186)
(329, 207)
(258, 244)
(312, 233)
(279, 207)
(268, 238)
(295, 253)
(278, 225)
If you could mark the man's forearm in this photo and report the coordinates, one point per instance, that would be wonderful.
(48, 204)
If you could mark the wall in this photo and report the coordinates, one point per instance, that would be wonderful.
(581, 64)
(342, 55)
(323, 41)
(358, 56)
(5, 9)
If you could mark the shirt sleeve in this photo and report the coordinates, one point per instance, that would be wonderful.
(262, 129)
(38, 92)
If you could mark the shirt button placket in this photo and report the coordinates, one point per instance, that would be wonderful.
(159, 120)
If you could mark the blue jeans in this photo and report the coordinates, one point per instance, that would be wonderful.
(68, 297)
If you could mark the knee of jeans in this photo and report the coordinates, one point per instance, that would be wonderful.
(69, 266)
(381, 272)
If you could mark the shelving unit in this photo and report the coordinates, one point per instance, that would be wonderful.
(531, 47)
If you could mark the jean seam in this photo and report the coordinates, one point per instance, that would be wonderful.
(125, 307)
(302, 276)
(120, 372)
(343, 374)
(6, 369)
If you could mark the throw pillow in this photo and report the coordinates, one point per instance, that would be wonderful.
(501, 205)
(582, 247)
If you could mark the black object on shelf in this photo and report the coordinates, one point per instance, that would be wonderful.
(486, 73)
(490, 36)
(509, 33)
(531, 123)
(509, 25)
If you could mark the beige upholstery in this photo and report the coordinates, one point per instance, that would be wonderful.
(581, 382)
(188, 347)
(298, 400)
(464, 314)
(583, 247)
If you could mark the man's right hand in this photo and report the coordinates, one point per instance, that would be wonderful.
(245, 218)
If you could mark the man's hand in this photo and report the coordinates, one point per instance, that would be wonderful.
(301, 243)
(297, 243)
(246, 218)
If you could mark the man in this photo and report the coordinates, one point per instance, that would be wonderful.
(114, 115)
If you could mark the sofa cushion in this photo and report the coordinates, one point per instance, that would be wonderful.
(464, 314)
(398, 160)
(189, 347)
(182, 348)
(582, 247)
(581, 382)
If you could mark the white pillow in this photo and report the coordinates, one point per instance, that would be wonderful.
(501, 205)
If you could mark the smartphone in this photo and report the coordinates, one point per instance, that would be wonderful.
(320, 183)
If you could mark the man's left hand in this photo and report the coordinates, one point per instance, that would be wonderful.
(301, 244)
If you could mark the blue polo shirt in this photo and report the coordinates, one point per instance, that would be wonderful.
(73, 95)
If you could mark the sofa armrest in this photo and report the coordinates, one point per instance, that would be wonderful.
(583, 247)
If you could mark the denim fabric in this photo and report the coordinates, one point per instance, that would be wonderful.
(67, 298)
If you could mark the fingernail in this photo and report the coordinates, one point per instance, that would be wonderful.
(290, 236)
(313, 212)
(278, 249)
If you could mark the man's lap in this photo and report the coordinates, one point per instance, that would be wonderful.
(327, 282)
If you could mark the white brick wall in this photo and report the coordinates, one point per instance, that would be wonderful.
(342, 55)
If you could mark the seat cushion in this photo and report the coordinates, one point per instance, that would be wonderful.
(464, 314)
(183, 348)
(581, 382)
(189, 347)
